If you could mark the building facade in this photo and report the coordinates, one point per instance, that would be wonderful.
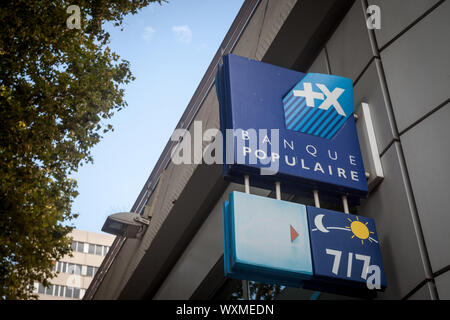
(74, 274)
(401, 70)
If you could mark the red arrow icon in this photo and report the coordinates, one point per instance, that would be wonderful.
(294, 233)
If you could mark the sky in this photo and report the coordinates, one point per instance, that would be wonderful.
(169, 48)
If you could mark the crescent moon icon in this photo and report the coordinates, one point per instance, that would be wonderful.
(319, 224)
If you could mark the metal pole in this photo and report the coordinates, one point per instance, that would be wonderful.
(247, 184)
(277, 190)
(345, 203)
(316, 198)
(245, 290)
(316, 294)
(245, 285)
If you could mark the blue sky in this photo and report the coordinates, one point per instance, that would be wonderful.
(169, 48)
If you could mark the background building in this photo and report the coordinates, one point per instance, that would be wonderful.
(401, 70)
(76, 273)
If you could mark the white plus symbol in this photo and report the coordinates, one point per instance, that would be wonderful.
(309, 94)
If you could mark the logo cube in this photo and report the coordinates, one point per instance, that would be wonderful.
(319, 105)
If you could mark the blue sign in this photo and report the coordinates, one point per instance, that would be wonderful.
(279, 242)
(291, 127)
(266, 240)
(345, 247)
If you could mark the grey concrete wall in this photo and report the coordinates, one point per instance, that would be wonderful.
(403, 72)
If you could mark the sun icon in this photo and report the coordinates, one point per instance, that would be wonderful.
(360, 230)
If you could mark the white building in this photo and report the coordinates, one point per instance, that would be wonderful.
(74, 274)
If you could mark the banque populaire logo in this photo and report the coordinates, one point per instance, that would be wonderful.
(319, 105)
(297, 127)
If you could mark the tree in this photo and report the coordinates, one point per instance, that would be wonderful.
(59, 85)
(257, 291)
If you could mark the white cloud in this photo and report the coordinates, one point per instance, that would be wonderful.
(182, 33)
(148, 33)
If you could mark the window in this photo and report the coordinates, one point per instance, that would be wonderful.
(71, 268)
(80, 247)
(61, 291)
(69, 292)
(76, 293)
(49, 290)
(74, 268)
(90, 271)
(93, 248)
(78, 269)
(61, 267)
